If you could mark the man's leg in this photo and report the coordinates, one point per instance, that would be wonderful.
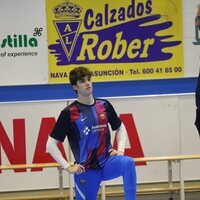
(122, 166)
(87, 185)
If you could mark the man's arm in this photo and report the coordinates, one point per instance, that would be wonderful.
(52, 148)
(121, 137)
(121, 141)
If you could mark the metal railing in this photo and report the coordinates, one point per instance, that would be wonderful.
(169, 159)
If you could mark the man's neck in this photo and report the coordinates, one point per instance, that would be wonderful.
(86, 100)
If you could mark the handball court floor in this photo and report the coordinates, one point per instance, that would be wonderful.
(188, 196)
(176, 196)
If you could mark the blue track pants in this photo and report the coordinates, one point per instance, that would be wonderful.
(87, 184)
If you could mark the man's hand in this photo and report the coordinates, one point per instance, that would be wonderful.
(75, 169)
(114, 152)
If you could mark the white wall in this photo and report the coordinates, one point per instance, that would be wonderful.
(165, 127)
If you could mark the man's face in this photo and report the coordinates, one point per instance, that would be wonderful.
(84, 86)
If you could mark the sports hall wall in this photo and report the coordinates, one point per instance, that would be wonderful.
(148, 72)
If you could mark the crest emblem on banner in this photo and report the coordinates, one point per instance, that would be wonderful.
(67, 26)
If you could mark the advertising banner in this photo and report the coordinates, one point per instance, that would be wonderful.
(41, 41)
(23, 45)
(117, 40)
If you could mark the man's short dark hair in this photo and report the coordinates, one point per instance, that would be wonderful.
(78, 73)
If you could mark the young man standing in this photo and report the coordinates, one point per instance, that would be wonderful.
(85, 123)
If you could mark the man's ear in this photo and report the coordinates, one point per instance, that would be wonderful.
(75, 87)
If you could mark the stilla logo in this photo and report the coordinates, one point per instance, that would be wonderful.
(122, 34)
(17, 41)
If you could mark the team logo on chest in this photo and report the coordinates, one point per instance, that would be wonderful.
(102, 116)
